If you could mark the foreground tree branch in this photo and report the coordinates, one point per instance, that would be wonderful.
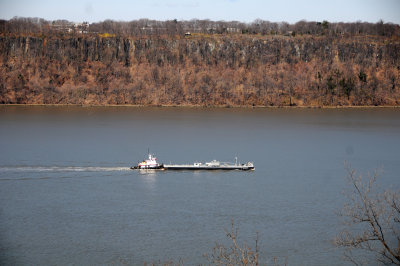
(372, 220)
(235, 254)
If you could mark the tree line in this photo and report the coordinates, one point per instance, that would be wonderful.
(147, 27)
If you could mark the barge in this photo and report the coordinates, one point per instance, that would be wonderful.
(151, 163)
(213, 165)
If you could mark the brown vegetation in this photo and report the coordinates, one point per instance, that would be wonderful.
(235, 253)
(115, 63)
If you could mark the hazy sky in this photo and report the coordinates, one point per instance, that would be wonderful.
(241, 10)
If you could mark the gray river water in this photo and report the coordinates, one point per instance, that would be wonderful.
(67, 195)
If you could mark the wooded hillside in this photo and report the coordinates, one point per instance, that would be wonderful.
(228, 69)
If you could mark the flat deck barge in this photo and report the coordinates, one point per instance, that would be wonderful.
(214, 165)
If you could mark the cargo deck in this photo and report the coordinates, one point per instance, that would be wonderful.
(206, 167)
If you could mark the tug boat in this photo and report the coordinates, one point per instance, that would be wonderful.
(150, 163)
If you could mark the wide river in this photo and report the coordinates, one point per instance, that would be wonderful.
(67, 195)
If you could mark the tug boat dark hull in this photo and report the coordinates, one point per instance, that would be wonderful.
(147, 167)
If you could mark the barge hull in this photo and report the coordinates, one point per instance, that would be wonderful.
(190, 167)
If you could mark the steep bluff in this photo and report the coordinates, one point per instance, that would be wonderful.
(224, 70)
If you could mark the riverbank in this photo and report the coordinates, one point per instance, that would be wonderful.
(203, 106)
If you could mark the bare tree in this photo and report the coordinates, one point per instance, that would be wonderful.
(372, 220)
(234, 254)
(180, 262)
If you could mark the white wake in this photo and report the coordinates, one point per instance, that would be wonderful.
(61, 169)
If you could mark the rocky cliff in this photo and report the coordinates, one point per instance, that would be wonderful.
(223, 70)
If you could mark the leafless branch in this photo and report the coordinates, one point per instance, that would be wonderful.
(235, 254)
(374, 216)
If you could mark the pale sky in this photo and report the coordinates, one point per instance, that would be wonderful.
(241, 10)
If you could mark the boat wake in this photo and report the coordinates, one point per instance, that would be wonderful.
(61, 169)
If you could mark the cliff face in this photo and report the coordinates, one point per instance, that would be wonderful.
(200, 70)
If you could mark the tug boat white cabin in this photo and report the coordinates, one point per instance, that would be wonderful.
(150, 163)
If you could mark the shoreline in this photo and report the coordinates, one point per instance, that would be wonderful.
(205, 106)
